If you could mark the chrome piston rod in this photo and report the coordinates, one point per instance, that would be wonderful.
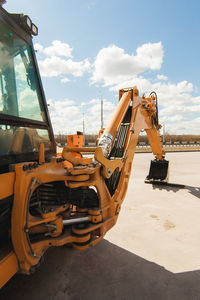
(75, 221)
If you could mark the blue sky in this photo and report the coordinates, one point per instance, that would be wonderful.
(104, 45)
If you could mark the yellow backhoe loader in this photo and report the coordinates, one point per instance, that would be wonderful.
(47, 200)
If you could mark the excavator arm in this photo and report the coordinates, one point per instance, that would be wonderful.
(110, 170)
(76, 199)
(117, 143)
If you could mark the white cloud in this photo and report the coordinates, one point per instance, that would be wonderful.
(56, 49)
(150, 56)
(112, 65)
(64, 115)
(188, 126)
(162, 77)
(64, 80)
(178, 109)
(93, 114)
(95, 109)
(67, 117)
(38, 47)
(55, 60)
(55, 66)
(178, 106)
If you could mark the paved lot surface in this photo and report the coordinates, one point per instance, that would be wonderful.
(152, 253)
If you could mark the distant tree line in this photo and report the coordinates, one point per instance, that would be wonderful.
(61, 139)
(90, 139)
(172, 138)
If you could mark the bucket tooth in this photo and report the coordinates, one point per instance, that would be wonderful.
(158, 171)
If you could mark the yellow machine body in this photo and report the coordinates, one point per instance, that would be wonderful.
(48, 200)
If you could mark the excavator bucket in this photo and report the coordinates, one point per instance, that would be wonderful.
(158, 171)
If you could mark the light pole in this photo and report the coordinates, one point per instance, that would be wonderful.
(83, 129)
(101, 98)
(163, 133)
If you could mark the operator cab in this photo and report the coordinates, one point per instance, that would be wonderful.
(24, 119)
